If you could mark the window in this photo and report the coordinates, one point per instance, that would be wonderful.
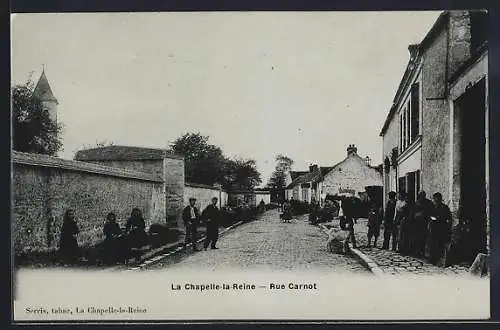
(410, 119)
(402, 184)
(415, 111)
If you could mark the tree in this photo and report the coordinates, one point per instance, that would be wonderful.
(204, 163)
(278, 177)
(241, 174)
(277, 181)
(32, 128)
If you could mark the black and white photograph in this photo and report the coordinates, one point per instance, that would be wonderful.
(173, 166)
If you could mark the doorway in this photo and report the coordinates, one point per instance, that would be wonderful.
(471, 107)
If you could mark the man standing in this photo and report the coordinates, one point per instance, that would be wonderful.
(211, 215)
(390, 210)
(348, 212)
(420, 217)
(439, 228)
(191, 218)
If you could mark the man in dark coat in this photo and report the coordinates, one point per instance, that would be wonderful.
(439, 228)
(389, 212)
(211, 216)
(191, 218)
(349, 209)
(420, 214)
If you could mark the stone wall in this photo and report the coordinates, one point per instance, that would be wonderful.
(203, 195)
(152, 166)
(44, 187)
(173, 174)
(447, 52)
(435, 118)
(170, 170)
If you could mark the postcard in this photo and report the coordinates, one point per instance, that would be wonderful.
(250, 166)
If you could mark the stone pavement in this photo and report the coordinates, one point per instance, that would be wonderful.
(394, 263)
(268, 244)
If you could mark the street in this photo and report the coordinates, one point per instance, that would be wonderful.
(268, 244)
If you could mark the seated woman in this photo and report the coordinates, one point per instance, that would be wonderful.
(135, 229)
(114, 240)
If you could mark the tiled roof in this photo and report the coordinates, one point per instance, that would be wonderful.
(296, 174)
(315, 176)
(123, 153)
(29, 159)
(43, 90)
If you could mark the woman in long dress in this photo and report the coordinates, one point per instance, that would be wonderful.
(287, 211)
(68, 245)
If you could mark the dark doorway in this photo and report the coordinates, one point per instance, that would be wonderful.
(472, 111)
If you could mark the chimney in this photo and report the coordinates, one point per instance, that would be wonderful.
(413, 49)
(313, 168)
(368, 160)
(351, 150)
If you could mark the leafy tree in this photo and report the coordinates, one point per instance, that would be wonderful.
(277, 181)
(32, 128)
(241, 174)
(278, 177)
(204, 163)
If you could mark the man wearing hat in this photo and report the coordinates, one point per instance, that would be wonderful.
(191, 218)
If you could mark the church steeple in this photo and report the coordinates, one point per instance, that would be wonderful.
(43, 90)
(45, 94)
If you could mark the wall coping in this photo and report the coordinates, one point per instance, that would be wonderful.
(201, 185)
(30, 159)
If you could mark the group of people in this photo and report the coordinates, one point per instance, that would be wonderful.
(192, 218)
(421, 228)
(118, 241)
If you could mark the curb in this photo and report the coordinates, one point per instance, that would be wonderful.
(362, 258)
(178, 246)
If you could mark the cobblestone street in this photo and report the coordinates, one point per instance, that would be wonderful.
(394, 263)
(268, 244)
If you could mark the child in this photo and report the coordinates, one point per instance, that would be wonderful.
(374, 222)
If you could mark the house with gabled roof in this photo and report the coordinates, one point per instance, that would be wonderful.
(351, 176)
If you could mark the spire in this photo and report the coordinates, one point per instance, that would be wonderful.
(43, 90)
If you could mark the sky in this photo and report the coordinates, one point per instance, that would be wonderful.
(303, 84)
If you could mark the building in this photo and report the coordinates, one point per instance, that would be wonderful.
(306, 186)
(43, 91)
(351, 176)
(290, 176)
(435, 136)
(249, 197)
(161, 164)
